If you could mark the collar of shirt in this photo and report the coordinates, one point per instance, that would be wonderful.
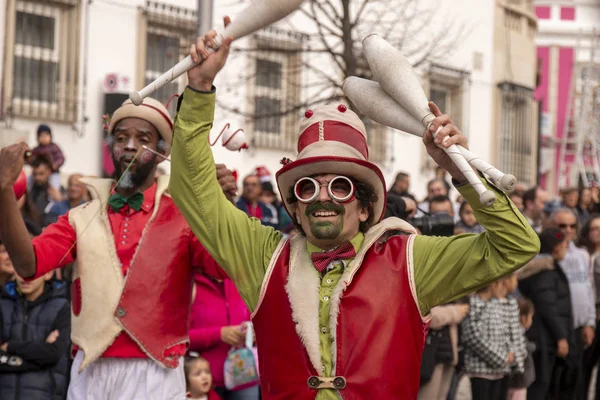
(356, 242)
(147, 204)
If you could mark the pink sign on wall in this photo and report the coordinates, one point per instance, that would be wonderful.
(567, 13)
(542, 12)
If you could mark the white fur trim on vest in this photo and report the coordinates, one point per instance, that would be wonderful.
(304, 283)
(99, 270)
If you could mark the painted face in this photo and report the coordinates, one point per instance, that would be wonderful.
(130, 135)
(326, 222)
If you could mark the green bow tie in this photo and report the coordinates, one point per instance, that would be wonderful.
(117, 201)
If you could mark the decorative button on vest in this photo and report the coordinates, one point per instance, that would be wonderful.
(314, 382)
(322, 382)
(120, 312)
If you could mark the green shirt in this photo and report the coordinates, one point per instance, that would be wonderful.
(445, 268)
(329, 281)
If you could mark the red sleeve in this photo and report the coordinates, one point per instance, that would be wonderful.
(202, 339)
(54, 247)
(201, 259)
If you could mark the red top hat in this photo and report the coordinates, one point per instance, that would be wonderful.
(333, 140)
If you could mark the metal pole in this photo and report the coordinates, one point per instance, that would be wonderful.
(205, 16)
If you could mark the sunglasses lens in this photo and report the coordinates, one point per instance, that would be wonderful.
(305, 189)
(341, 188)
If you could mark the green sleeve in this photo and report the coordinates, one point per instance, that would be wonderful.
(446, 268)
(241, 245)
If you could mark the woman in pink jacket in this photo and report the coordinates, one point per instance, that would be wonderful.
(217, 315)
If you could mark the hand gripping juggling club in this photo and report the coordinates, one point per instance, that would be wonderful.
(396, 77)
(254, 17)
(375, 103)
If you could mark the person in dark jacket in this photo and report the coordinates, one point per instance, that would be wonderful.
(34, 336)
(545, 284)
(249, 202)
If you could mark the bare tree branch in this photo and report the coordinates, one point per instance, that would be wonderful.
(319, 23)
(359, 12)
(324, 41)
(331, 6)
(313, 65)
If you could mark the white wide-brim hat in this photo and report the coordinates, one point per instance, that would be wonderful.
(150, 110)
(333, 140)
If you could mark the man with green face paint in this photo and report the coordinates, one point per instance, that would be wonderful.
(342, 308)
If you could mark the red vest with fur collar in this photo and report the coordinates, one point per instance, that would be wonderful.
(377, 327)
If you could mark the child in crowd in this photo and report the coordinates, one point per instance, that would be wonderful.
(519, 382)
(467, 222)
(46, 147)
(34, 340)
(488, 356)
(512, 320)
(7, 272)
(198, 378)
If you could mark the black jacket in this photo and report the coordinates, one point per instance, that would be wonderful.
(545, 284)
(32, 369)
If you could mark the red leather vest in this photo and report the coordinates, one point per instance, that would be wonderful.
(380, 333)
(156, 300)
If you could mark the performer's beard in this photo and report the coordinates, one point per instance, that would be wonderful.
(133, 179)
(326, 229)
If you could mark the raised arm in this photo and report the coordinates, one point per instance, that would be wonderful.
(241, 246)
(12, 227)
(446, 268)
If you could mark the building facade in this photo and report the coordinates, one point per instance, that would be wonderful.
(569, 35)
(68, 62)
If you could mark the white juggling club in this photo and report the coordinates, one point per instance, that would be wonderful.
(256, 16)
(397, 77)
(376, 104)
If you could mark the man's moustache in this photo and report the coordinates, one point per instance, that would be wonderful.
(324, 206)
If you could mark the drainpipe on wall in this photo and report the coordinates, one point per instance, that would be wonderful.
(83, 65)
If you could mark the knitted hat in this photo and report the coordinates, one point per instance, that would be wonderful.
(267, 187)
(333, 140)
(549, 239)
(263, 173)
(44, 128)
(150, 110)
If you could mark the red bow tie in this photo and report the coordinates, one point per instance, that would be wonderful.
(322, 259)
